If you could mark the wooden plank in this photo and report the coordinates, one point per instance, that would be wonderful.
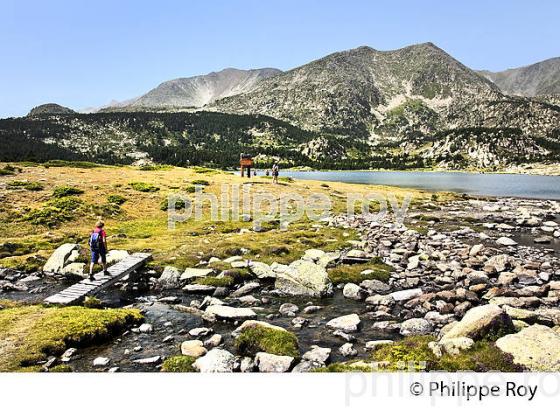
(85, 287)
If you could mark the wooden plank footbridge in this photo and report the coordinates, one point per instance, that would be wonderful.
(86, 287)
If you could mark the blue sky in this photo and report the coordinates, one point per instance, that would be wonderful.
(85, 53)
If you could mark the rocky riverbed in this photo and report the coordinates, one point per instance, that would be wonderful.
(464, 271)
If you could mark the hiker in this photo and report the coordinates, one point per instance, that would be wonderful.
(275, 172)
(98, 246)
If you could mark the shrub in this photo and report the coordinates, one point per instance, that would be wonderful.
(30, 186)
(263, 339)
(62, 191)
(48, 216)
(190, 189)
(154, 167)
(60, 368)
(9, 170)
(116, 199)
(70, 164)
(143, 187)
(179, 204)
(92, 302)
(69, 203)
(178, 364)
(200, 182)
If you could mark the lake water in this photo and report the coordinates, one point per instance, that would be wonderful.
(509, 185)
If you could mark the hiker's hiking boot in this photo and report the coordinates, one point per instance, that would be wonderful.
(91, 277)
(106, 273)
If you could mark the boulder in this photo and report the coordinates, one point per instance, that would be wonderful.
(75, 268)
(313, 255)
(414, 327)
(375, 286)
(194, 348)
(230, 313)
(59, 257)
(352, 291)
(348, 323)
(288, 309)
(317, 354)
(505, 241)
(374, 344)
(254, 323)
(347, 350)
(479, 322)
(262, 270)
(536, 347)
(271, 363)
(245, 289)
(191, 273)
(199, 289)
(407, 294)
(170, 278)
(304, 278)
(215, 361)
(456, 345)
(116, 255)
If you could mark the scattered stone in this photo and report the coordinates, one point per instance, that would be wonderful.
(213, 341)
(374, 344)
(347, 350)
(146, 328)
(505, 241)
(148, 360)
(317, 354)
(352, 291)
(200, 332)
(375, 286)
(288, 309)
(170, 278)
(199, 288)
(271, 363)
(215, 361)
(245, 289)
(230, 313)
(414, 327)
(101, 361)
(404, 295)
(194, 348)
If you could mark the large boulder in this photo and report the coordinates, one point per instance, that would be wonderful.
(303, 278)
(58, 259)
(215, 361)
(170, 278)
(74, 269)
(479, 322)
(347, 324)
(230, 313)
(116, 255)
(536, 347)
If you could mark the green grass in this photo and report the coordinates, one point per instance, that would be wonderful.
(343, 367)
(344, 273)
(70, 164)
(178, 364)
(262, 339)
(32, 333)
(62, 191)
(143, 187)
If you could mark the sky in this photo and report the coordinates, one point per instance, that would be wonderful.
(83, 54)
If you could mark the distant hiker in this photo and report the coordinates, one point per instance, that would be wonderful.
(275, 172)
(255, 173)
(267, 173)
(98, 246)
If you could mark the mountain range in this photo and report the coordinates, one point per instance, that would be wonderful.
(412, 107)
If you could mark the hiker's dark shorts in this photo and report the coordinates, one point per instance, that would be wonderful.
(95, 255)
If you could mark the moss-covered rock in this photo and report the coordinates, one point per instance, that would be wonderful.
(224, 281)
(263, 339)
(178, 364)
